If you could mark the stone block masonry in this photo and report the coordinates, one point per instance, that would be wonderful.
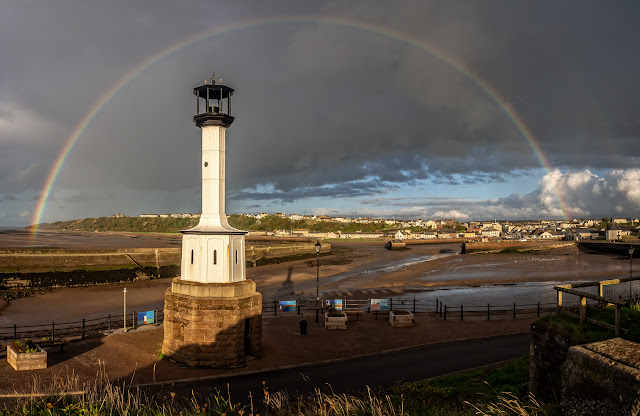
(602, 378)
(219, 331)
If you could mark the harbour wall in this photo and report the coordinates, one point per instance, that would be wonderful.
(474, 247)
(56, 267)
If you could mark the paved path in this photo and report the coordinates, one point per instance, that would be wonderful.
(376, 370)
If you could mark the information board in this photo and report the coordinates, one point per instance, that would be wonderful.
(145, 318)
(335, 303)
(287, 306)
(379, 304)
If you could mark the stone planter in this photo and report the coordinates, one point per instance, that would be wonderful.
(335, 321)
(401, 318)
(27, 361)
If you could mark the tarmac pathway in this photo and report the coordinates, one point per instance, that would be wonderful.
(352, 375)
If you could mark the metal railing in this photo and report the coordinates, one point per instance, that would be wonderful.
(437, 308)
(55, 331)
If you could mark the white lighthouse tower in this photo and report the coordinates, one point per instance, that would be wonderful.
(213, 251)
(213, 314)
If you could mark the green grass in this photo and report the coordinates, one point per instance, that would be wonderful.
(582, 334)
(468, 393)
(630, 319)
(570, 327)
(516, 250)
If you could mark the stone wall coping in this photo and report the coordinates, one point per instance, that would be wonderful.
(213, 290)
(618, 350)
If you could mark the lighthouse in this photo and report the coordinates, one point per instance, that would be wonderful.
(213, 313)
(213, 250)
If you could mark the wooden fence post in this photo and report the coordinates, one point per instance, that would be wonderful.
(488, 312)
(618, 319)
(600, 291)
(445, 312)
(559, 302)
(583, 310)
(461, 312)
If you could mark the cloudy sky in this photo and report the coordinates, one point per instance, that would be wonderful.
(430, 109)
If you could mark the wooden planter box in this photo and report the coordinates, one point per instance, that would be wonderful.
(27, 361)
(401, 318)
(335, 322)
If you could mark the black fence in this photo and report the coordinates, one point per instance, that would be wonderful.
(437, 308)
(58, 331)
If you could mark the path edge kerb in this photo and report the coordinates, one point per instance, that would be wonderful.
(334, 360)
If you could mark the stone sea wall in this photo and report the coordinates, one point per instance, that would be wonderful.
(47, 268)
(474, 247)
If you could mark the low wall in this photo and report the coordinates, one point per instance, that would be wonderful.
(547, 351)
(474, 247)
(46, 268)
(25, 261)
(621, 249)
(602, 378)
(258, 255)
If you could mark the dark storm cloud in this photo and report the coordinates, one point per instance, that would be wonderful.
(342, 190)
(322, 110)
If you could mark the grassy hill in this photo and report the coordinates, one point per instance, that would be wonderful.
(173, 225)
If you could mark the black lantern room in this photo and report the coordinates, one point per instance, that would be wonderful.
(215, 96)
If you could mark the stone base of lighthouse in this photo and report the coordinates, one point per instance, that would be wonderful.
(216, 325)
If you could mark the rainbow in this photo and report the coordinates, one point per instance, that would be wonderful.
(130, 75)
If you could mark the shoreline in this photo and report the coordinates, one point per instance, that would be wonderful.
(436, 268)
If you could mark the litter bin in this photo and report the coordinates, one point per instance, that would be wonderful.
(303, 327)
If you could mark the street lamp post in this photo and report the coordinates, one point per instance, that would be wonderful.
(317, 246)
(631, 250)
(124, 317)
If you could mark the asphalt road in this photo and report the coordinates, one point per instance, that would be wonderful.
(350, 376)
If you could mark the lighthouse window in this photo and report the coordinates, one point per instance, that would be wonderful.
(215, 256)
(206, 164)
(191, 256)
(236, 256)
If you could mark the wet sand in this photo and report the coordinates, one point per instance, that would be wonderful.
(355, 269)
(22, 239)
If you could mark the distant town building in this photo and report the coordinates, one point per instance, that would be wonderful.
(613, 232)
